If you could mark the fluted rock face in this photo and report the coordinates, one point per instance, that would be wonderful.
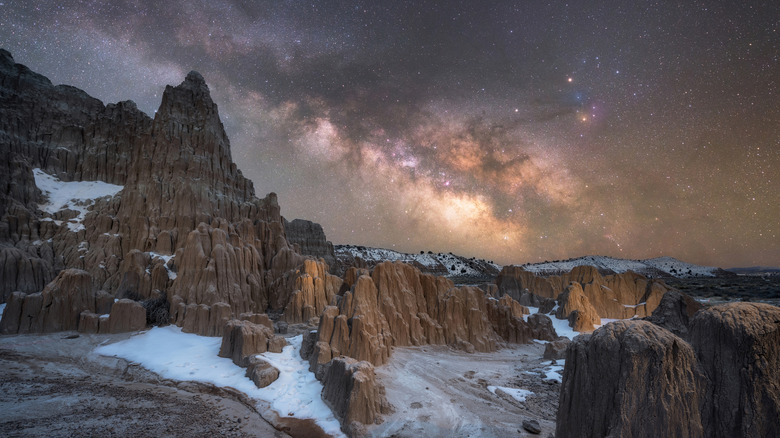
(629, 379)
(63, 131)
(309, 239)
(574, 301)
(399, 306)
(738, 348)
(351, 390)
(56, 308)
(315, 288)
(185, 225)
(634, 378)
(612, 296)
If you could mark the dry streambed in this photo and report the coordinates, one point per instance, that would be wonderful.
(437, 391)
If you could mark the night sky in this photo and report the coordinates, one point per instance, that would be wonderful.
(516, 131)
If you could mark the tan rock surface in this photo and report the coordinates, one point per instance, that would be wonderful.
(574, 300)
(617, 296)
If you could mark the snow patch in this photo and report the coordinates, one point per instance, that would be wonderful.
(166, 258)
(561, 326)
(2, 309)
(554, 372)
(73, 195)
(173, 354)
(516, 393)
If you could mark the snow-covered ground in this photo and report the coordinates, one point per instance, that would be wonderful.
(175, 355)
(74, 195)
(561, 326)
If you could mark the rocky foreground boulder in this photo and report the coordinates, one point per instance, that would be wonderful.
(637, 379)
(738, 349)
(351, 390)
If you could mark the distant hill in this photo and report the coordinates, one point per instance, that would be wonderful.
(755, 270)
(460, 269)
(465, 270)
(656, 267)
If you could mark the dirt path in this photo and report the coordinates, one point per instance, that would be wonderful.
(53, 386)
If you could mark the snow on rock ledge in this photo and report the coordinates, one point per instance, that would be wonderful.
(73, 195)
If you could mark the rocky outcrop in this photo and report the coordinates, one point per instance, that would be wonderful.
(635, 378)
(617, 296)
(261, 372)
(57, 308)
(352, 392)
(70, 135)
(399, 306)
(243, 339)
(738, 349)
(186, 224)
(674, 312)
(315, 288)
(126, 316)
(629, 379)
(575, 306)
(309, 239)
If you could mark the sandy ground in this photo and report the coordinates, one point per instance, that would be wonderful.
(55, 386)
(441, 392)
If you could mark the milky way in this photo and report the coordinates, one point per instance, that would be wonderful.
(511, 131)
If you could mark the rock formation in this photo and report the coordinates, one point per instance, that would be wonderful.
(738, 349)
(243, 339)
(575, 306)
(399, 306)
(261, 372)
(635, 378)
(126, 316)
(186, 225)
(674, 312)
(314, 289)
(57, 308)
(309, 239)
(351, 390)
(617, 296)
(556, 349)
(629, 379)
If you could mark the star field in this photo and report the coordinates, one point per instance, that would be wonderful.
(511, 131)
